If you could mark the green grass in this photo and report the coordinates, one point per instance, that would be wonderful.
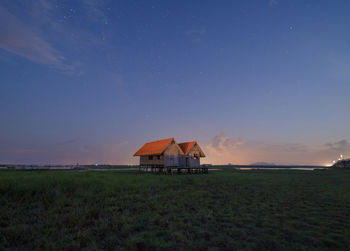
(129, 210)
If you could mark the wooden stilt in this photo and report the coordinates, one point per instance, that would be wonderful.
(172, 170)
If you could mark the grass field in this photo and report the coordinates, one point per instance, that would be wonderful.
(129, 210)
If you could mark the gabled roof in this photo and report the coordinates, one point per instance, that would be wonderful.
(187, 146)
(154, 147)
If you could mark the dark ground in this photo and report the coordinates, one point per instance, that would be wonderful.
(229, 209)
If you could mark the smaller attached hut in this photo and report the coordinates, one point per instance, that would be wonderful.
(166, 155)
(192, 153)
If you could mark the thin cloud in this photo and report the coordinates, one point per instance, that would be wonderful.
(339, 146)
(20, 39)
(223, 149)
(46, 32)
(222, 142)
(69, 142)
(288, 147)
(22, 150)
(95, 9)
(71, 151)
(196, 34)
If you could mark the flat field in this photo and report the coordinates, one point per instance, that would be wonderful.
(228, 209)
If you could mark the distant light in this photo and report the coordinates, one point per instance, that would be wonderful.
(341, 156)
(96, 164)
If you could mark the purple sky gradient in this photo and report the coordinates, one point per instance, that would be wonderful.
(92, 81)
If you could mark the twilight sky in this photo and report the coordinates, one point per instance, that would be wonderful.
(91, 81)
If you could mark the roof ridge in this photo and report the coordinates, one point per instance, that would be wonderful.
(172, 138)
(187, 146)
(154, 147)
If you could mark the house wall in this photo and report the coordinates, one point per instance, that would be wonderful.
(172, 150)
(155, 161)
(194, 151)
(172, 155)
(182, 160)
(193, 162)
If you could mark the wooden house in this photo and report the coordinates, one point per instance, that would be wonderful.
(167, 153)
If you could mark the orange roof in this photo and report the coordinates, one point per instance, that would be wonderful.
(154, 147)
(186, 146)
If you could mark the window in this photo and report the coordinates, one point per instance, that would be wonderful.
(150, 157)
(158, 157)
